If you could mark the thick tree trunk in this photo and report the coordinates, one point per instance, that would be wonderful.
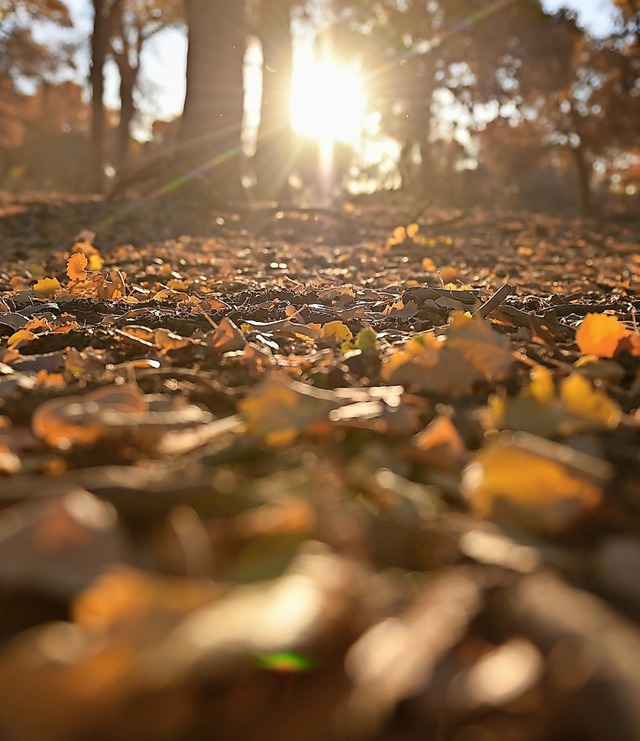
(211, 130)
(275, 150)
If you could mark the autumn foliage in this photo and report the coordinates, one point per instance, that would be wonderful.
(279, 477)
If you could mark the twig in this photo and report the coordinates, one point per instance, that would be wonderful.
(506, 289)
(566, 309)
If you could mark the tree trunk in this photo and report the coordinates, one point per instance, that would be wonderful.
(128, 77)
(583, 167)
(103, 13)
(211, 130)
(275, 150)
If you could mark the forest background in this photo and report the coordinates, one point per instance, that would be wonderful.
(498, 104)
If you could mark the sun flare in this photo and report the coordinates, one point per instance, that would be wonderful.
(328, 100)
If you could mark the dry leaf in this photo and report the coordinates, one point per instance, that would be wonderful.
(599, 334)
(167, 341)
(278, 409)
(337, 330)
(76, 265)
(73, 420)
(581, 398)
(226, 337)
(19, 338)
(46, 286)
(440, 444)
(474, 339)
(471, 352)
(505, 478)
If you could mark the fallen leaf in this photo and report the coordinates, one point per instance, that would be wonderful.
(46, 286)
(70, 420)
(471, 352)
(167, 341)
(474, 339)
(440, 444)
(508, 479)
(278, 409)
(579, 396)
(226, 337)
(599, 334)
(76, 265)
(19, 338)
(336, 330)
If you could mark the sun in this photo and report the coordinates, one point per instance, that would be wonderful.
(328, 100)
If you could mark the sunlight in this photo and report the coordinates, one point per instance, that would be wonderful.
(328, 100)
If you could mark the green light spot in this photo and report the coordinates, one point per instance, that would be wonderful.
(285, 662)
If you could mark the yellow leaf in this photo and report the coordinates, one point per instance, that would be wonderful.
(19, 338)
(278, 409)
(527, 414)
(541, 388)
(428, 265)
(471, 352)
(95, 262)
(367, 340)
(338, 330)
(536, 490)
(76, 265)
(46, 286)
(599, 334)
(580, 397)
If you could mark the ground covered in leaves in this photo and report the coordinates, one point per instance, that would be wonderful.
(363, 473)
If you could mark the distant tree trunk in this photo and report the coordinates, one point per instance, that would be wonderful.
(126, 54)
(128, 77)
(274, 154)
(583, 168)
(103, 14)
(211, 129)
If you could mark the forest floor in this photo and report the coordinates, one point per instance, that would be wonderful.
(369, 472)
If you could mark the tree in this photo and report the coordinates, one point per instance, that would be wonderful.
(506, 56)
(104, 14)
(211, 131)
(274, 153)
(21, 55)
(135, 22)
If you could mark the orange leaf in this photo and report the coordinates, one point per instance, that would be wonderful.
(599, 334)
(76, 265)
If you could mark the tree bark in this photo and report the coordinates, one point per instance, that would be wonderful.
(275, 149)
(583, 168)
(211, 130)
(103, 14)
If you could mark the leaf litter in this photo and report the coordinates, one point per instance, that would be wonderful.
(304, 474)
